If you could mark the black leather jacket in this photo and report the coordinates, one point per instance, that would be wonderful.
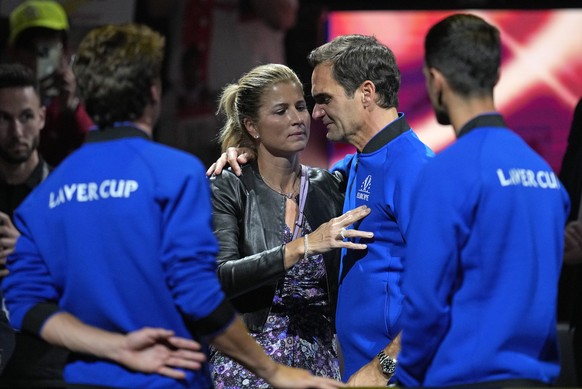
(249, 220)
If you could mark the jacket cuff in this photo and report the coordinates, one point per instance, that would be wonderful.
(37, 316)
(215, 322)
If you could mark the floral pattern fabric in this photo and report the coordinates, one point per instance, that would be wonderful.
(298, 331)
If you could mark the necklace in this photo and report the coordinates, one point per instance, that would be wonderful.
(290, 195)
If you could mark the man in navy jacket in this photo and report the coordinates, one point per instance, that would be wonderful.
(486, 235)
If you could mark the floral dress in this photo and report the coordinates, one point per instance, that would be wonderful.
(298, 331)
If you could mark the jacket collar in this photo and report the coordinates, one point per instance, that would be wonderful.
(391, 131)
(485, 120)
(38, 175)
(113, 133)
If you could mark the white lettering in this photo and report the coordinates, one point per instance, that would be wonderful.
(90, 191)
(60, 198)
(528, 178)
(82, 192)
(504, 181)
(548, 180)
(103, 189)
(116, 188)
(130, 187)
(69, 191)
(362, 196)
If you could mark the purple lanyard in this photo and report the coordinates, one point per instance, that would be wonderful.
(302, 198)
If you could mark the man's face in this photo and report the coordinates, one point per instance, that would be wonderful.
(29, 55)
(340, 114)
(21, 119)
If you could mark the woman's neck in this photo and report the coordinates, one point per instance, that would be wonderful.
(281, 174)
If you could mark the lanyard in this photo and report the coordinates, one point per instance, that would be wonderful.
(302, 199)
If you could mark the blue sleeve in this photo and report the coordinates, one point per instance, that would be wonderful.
(29, 282)
(189, 250)
(437, 225)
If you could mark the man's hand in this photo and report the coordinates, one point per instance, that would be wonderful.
(233, 156)
(156, 350)
(573, 243)
(67, 85)
(369, 375)
(149, 350)
(8, 237)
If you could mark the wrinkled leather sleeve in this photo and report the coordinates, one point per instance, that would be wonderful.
(238, 273)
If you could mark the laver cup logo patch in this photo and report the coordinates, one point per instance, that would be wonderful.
(529, 178)
(91, 191)
(365, 187)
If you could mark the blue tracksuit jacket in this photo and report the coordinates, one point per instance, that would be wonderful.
(485, 244)
(119, 235)
(369, 301)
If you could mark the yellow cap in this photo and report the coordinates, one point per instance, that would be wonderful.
(37, 13)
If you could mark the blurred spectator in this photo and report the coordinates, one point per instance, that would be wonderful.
(39, 40)
(34, 364)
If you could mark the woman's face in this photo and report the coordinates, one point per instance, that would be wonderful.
(283, 124)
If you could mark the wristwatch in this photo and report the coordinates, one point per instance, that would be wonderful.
(387, 363)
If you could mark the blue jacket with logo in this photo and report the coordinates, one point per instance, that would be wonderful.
(485, 246)
(370, 301)
(119, 235)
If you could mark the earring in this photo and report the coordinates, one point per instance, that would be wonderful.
(256, 137)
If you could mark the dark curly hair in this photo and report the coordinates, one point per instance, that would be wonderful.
(115, 66)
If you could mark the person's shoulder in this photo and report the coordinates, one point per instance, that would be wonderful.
(413, 143)
(227, 174)
(228, 182)
(315, 171)
(331, 183)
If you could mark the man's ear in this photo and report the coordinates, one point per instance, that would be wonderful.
(368, 93)
(42, 116)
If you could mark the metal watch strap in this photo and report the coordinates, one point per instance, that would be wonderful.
(387, 363)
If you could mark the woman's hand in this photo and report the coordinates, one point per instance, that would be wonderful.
(335, 233)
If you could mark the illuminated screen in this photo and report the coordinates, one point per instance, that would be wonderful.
(541, 75)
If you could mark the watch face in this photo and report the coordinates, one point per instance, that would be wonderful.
(388, 364)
